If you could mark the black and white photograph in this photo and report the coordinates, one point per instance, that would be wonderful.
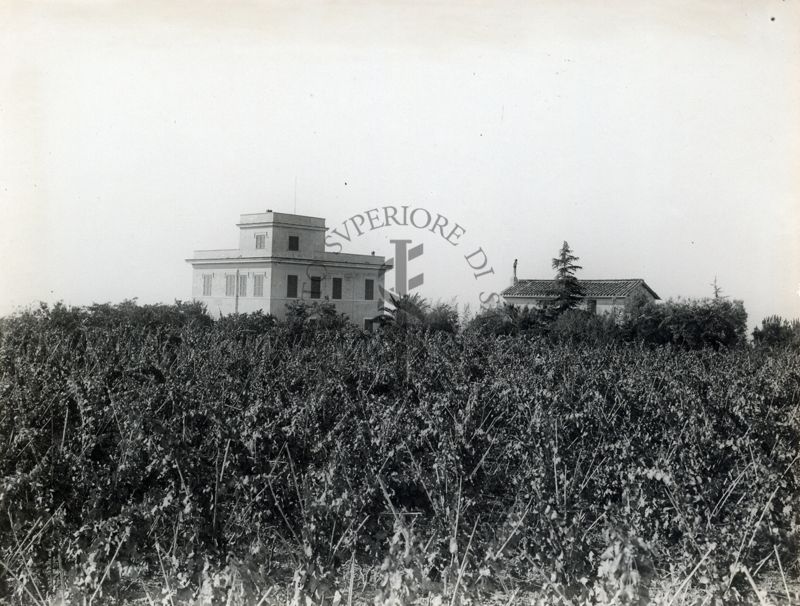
(399, 302)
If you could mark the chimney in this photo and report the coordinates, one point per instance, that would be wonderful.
(515, 272)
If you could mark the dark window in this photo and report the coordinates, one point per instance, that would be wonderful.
(337, 288)
(294, 242)
(592, 306)
(369, 290)
(316, 288)
(368, 324)
(291, 287)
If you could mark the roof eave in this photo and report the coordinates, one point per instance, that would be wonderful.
(650, 290)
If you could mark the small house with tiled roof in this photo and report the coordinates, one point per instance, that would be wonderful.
(599, 296)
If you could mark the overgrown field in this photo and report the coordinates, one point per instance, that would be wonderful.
(241, 460)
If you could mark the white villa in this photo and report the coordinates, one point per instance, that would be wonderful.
(282, 258)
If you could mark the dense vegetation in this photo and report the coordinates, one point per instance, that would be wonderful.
(693, 324)
(228, 458)
(777, 332)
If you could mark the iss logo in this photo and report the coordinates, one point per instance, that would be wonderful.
(402, 255)
(407, 276)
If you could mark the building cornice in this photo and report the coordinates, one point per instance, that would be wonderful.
(264, 224)
(305, 262)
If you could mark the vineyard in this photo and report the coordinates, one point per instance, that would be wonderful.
(152, 455)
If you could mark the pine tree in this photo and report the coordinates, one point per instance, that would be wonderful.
(717, 289)
(568, 290)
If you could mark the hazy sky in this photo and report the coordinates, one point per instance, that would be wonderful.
(661, 139)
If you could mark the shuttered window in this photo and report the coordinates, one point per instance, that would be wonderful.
(260, 241)
(207, 285)
(258, 286)
(242, 286)
(230, 285)
(291, 287)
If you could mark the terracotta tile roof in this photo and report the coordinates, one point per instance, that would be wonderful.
(592, 288)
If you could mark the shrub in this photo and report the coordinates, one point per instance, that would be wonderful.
(256, 322)
(412, 312)
(511, 320)
(128, 313)
(496, 321)
(303, 318)
(580, 326)
(690, 324)
(777, 332)
(443, 317)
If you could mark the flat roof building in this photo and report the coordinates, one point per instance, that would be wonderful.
(282, 258)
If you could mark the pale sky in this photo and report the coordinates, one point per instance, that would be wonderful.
(661, 139)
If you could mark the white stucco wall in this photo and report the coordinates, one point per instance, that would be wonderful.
(219, 302)
(277, 227)
(275, 262)
(352, 302)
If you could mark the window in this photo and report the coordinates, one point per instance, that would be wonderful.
(207, 285)
(230, 285)
(291, 287)
(369, 289)
(294, 242)
(242, 286)
(261, 241)
(337, 288)
(258, 285)
(316, 288)
(591, 306)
